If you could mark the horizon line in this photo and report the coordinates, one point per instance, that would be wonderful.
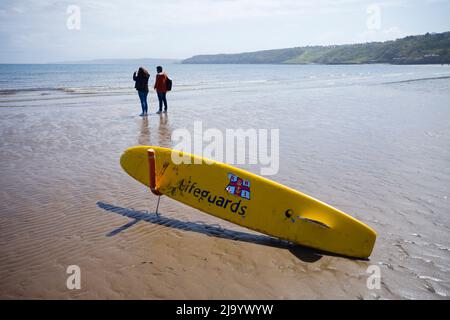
(85, 61)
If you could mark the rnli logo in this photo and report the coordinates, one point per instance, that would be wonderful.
(238, 186)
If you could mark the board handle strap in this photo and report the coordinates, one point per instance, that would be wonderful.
(152, 172)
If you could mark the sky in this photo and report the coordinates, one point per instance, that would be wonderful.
(41, 31)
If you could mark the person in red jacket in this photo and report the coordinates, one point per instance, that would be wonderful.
(161, 89)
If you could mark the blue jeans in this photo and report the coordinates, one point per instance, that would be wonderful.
(162, 98)
(143, 98)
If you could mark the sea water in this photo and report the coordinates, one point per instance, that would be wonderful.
(371, 140)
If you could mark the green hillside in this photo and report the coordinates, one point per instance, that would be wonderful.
(423, 49)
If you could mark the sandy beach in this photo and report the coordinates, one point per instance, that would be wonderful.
(377, 151)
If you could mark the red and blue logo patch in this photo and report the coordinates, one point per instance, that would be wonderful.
(238, 187)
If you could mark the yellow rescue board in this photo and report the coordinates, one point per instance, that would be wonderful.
(251, 201)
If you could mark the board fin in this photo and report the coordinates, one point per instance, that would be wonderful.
(152, 172)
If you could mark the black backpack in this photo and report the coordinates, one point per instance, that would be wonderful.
(168, 84)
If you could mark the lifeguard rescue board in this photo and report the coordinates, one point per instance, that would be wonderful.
(248, 200)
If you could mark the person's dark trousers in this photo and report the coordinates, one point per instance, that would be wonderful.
(143, 98)
(162, 99)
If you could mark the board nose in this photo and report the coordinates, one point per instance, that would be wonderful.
(134, 161)
(126, 160)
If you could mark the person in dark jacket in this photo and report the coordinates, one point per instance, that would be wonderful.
(141, 86)
(161, 89)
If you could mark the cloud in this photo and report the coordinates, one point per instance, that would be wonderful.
(122, 28)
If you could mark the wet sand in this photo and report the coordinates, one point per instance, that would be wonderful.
(64, 200)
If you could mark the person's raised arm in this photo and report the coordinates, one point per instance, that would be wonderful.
(134, 76)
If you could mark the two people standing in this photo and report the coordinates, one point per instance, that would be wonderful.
(141, 85)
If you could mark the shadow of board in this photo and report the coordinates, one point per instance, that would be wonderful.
(302, 253)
